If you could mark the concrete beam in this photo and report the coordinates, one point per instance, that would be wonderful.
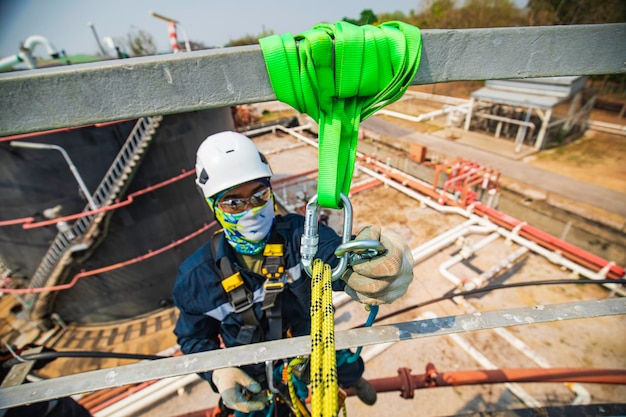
(77, 95)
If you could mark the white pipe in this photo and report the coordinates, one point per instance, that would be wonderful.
(558, 259)
(426, 116)
(32, 41)
(9, 61)
(424, 200)
(147, 396)
(68, 160)
(441, 240)
(506, 120)
(370, 352)
(615, 126)
(465, 253)
(482, 279)
(435, 97)
(553, 257)
(297, 135)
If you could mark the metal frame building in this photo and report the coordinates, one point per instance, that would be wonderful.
(526, 107)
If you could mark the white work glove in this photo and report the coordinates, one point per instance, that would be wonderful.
(384, 279)
(239, 391)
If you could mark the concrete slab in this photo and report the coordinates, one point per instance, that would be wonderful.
(498, 146)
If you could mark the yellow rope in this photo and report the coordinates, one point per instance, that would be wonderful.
(324, 386)
(299, 408)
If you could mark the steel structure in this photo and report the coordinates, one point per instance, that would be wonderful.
(150, 86)
(76, 95)
(285, 348)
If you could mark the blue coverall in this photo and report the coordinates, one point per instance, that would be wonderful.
(205, 310)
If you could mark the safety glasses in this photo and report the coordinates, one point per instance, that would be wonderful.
(238, 205)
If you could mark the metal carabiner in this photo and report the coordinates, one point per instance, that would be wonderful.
(310, 238)
(360, 251)
(269, 375)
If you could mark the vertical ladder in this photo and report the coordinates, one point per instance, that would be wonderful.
(81, 234)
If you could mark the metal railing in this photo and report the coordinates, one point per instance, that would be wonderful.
(79, 235)
(294, 346)
(148, 86)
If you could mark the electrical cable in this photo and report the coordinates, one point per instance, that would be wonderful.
(498, 287)
(51, 355)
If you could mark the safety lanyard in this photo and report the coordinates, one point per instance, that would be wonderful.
(340, 75)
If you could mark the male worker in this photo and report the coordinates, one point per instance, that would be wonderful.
(246, 285)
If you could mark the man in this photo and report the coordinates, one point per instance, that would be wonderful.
(247, 285)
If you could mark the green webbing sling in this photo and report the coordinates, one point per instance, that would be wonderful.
(339, 75)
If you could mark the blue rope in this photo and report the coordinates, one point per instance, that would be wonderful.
(345, 355)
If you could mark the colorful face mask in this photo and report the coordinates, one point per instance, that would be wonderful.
(247, 232)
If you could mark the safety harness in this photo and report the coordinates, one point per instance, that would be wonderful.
(242, 300)
(241, 297)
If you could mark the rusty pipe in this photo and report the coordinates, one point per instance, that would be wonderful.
(406, 383)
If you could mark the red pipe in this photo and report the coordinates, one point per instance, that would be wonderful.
(29, 222)
(365, 186)
(15, 222)
(568, 250)
(108, 268)
(286, 179)
(540, 237)
(63, 129)
(407, 383)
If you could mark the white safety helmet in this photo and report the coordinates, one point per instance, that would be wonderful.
(227, 159)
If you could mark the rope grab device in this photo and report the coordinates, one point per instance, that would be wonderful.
(339, 75)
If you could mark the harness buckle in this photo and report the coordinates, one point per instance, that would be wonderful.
(273, 267)
(273, 286)
(241, 300)
(232, 282)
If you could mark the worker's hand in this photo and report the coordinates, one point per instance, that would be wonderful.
(238, 390)
(384, 279)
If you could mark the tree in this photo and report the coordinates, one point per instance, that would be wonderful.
(491, 13)
(387, 17)
(473, 14)
(194, 45)
(435, 14)
(141, 43)
(576, 12)
(250, 39)
(368, 17)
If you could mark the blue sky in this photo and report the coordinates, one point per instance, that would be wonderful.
(65, 22)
